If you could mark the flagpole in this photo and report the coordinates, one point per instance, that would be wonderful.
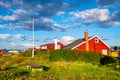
(33, 38)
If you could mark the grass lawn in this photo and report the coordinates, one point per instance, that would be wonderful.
(14, 67)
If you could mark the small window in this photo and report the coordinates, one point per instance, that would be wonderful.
(96, 40)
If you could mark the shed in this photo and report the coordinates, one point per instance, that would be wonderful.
(35, 67)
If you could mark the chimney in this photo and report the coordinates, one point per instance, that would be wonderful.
(55, 43)
(87, 43)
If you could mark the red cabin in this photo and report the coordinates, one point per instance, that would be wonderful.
(93, 44)
(52, 46)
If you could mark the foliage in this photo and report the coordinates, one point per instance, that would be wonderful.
(63, 55)
(39, 53)
(73, 55)
(79, 71)
(27, 53)
(107, 60)
(119, 53)
(12, 73)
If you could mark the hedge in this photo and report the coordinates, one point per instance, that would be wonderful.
(73, 55)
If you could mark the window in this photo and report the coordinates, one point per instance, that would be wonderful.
(96, 40)
(104, 51)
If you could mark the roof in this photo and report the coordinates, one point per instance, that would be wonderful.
(52, 44)
(75, 43)
(112, 48)
(81, 41)
(34, 65)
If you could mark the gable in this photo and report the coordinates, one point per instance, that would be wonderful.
(102, 41)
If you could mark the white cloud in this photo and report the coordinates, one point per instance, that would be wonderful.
(110, 23)
(67, 39)
(100, 17)
(77, 24)
(59, 27)
(60, 13)
(25, 10)
(18, 36)
(26, 45)
(92, 15)
(114, 23)
(13, 44)
(10, 37)
(22, 45)
(2, 26)
(108, 3)
(8, 18)
(40, 7)
(4, 36)
(5, 5)
(19, 11)
(47, 20)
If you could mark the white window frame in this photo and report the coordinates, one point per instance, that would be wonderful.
(96, 40)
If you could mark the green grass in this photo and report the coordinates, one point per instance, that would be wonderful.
(14, 67)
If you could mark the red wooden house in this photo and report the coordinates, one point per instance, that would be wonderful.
(52, 46)
(93, 44)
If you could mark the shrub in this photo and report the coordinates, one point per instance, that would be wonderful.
(39, 53)
(62, 55)
(27, 53)
(73, 55)
(107, 60)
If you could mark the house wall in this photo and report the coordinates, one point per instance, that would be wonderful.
(50, 47)
(81, 47)
(94, 47)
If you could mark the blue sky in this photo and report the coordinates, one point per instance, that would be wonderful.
(66, 20)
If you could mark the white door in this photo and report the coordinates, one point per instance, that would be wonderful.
(104, 51)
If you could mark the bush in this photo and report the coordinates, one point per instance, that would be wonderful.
(107, 60)
(27, 53)
(39, 53)
(73, 55)
(62, 55)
